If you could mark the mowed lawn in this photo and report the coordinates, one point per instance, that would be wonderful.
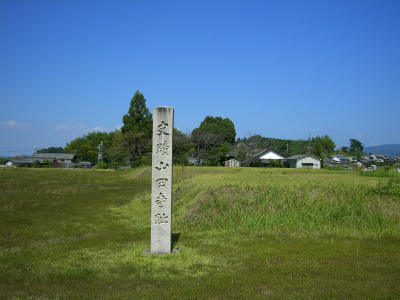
(248, 233)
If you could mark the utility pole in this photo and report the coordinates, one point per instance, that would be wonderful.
(100, 156)
(309, 144)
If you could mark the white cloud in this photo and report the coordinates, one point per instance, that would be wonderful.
(77, 127)
(359, 136)
(103, 129)
(13, 124)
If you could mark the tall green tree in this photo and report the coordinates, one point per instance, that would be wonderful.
(317, 149)
(222, 129)
(328, 144)
(138, 117)
(356, 147)
(137, 131)
(213, 138)
(323, 145)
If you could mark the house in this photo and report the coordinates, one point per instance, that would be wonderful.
(13, 162)
(302, 161)
(267, 155)
(366, 160)
(341, 159)
(232, 163)
(392, 159)
(54, 159)
(61, 158)
(28, 161)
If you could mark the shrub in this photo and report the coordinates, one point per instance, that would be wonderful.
(35, 164)
(114, 165)
(101, 165)
(46, 164)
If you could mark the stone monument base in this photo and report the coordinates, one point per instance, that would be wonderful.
(148, 252)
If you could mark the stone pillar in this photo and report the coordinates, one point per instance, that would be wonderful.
(161, 185)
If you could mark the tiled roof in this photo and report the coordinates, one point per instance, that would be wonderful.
(55, 155)
(296, 157)
(30, 160)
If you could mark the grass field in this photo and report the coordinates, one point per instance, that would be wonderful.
(248, 233)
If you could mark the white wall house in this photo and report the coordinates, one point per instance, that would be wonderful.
(302, 161)
(267, 155)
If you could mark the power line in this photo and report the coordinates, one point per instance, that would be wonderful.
(16, 150)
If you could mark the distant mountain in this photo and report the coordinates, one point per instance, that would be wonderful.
(390, 149)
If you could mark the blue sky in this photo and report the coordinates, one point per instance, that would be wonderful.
(281, 69)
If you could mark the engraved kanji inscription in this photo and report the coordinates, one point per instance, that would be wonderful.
(163, 128)
(162, 148)
(161, 200)
(161, 182)
(161, 219)
(162, 166)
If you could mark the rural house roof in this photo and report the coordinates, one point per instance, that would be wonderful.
(300, 156)
(15, 159)
(340, 157)
(31, 160)
(58, 156)
(269, 149)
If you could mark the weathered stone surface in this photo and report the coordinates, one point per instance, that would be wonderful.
(161, 189)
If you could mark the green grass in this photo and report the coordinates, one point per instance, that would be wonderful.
(245, 233)
(390, 183)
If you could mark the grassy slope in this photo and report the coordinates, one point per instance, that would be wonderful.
(244, 234)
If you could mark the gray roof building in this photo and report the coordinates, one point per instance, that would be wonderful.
(60, 157)
(302, 161)
(28, 161)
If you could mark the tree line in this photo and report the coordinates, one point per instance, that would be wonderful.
(211, 143)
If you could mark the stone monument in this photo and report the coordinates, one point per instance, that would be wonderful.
(161, 180)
